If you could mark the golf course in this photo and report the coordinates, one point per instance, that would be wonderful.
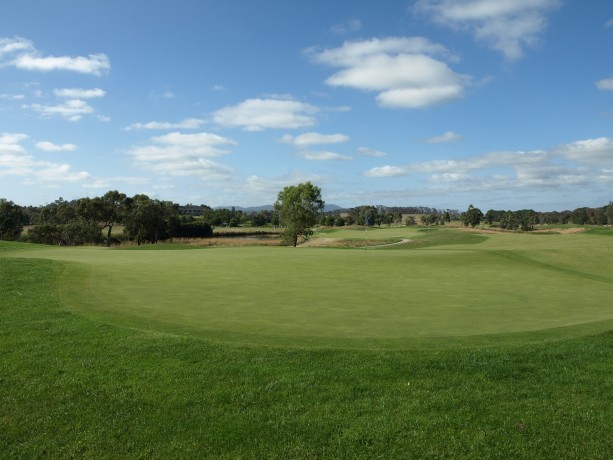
(406, 342)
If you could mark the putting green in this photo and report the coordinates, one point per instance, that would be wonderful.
(313, 296)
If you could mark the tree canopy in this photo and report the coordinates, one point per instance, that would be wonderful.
(298, 207)
(11, 220)
(472, 216)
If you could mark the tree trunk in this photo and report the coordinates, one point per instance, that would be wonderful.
(108, 236)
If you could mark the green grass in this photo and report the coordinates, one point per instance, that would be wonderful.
(497, 286)
(123, 381)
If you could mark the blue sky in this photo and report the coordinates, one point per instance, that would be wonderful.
(504, 104)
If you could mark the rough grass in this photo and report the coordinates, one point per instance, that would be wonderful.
(72, 387)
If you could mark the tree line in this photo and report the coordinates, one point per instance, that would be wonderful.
(369, 215)
(91, 221)
(297, 210)
(527, 219)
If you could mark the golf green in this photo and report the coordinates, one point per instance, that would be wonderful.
(507, 284)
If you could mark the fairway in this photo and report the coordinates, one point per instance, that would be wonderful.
(455, 345)
(505, 284)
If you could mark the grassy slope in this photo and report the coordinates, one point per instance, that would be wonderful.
(71, 387)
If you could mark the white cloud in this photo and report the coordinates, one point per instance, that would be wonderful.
(55, 173)
(10, 142)
(16, 161)
(350, 25)
(450, 177)
(95, 64)
(448, 137)
(370, 152)
(188, 123)
(609, 23)
(387, 171)
(77, 93)
(507, 26)
(51, 147)
(401, 69)
(71, 109)
(271, 113)
(161, 95)
(352, 53)
(21, 53)
(597, 151)
(178, 154)
(13, 97)
(605, 85)
(10, 46)
(324, 156)
(314, 139)
(268, 187)
(110, 182)
(578, 164)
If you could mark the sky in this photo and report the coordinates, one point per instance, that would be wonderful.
(503, 104)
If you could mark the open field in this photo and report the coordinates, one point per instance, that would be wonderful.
(456, 344)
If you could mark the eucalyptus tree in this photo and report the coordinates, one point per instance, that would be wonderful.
(298, 207)
(11, 220)
(472, 216)
(149, 219)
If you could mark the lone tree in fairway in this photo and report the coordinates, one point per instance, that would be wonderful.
(298, 206)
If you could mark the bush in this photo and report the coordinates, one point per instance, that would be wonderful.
(75, 233)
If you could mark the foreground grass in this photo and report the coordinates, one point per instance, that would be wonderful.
(72, 387)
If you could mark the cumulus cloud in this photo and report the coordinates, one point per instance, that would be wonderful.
(508, 26)
(10, 46)
(10, 142)
(16, 161)
(268, 187)
(448, 137)
(387, 171)
(51, 172)
(74, 106)
(324, 156)
(367, 151)
(188, 123)
(403, 70)
(20, 53)
(71, 109)
(78, 93)
(179, 154)
(13, 97)
(95, 64)
(110, 183)
(597, 151)
(313, 139)
(271, 113)
(605, 85)
(580, 163)
(51, 147)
